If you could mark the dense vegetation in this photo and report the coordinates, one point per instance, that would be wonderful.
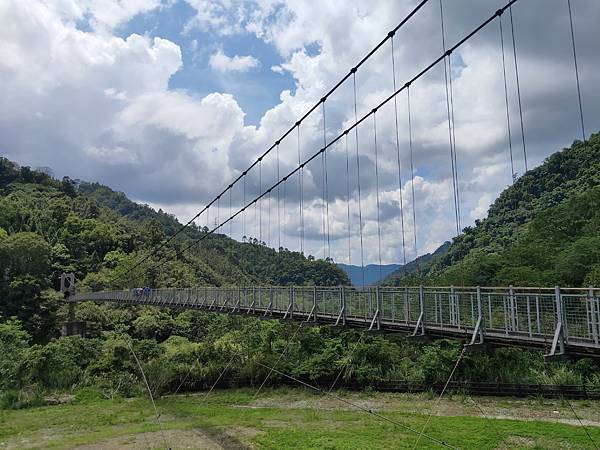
(542, 231)
(48, 227)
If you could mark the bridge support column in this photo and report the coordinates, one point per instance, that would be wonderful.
(420, 327)
(595, 315)
(476, 342)
(377, 315)
(557, 351)
(342, 315)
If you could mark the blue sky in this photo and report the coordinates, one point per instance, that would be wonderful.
(155, 97)
(256, 90)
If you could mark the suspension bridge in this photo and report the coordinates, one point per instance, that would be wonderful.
(560, 320)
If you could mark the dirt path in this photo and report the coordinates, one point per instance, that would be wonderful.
(548, 410)
(172, 439)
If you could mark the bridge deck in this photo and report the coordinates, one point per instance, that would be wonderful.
(560, 320)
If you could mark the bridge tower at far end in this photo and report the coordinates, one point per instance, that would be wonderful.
(72, 327)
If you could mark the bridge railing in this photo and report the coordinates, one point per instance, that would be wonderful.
(554, 316)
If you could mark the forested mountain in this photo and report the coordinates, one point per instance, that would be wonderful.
(543, 230)
(414, 267)
(49, 226)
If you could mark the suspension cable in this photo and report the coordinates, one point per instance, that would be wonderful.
(323, 224)
(362, 256)
(284, 212)
(260, 191)
(398, 154)
(300, 192)
(244, 210)
(454, 191)
(512, 30)
(269, 218)
(230, 211)
(278, 203)
(513, 175)
(348, 199)
(454, 142)
(377, 190)
(354, 126)
(288, 132)
(412, 172)
(325, 178)
(576, 70)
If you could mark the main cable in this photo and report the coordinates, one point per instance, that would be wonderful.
(382, 103)
(287, 133)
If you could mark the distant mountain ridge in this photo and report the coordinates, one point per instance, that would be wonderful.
(372, 272)
(413, 267)
(390, 274)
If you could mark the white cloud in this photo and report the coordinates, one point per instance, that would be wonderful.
(220, 62)
(98, 106)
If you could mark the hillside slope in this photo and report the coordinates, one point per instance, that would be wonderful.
(49, 226)
(543, 230)
(411, 269)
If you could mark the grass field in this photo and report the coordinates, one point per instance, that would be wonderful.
(298, 419)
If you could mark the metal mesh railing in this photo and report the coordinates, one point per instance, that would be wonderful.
(509, 312)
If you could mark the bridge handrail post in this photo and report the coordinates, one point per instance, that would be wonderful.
(595, 311)
(422, 306)
(452, 301)
(511, 307)
(344, 310)
(477, 336)
(314, 303)
(560, 336)
(480, 307)
(379, 299)
(560, 311)
(406, 306)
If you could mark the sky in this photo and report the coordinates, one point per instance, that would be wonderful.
(171, 100)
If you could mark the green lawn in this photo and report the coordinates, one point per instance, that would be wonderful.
(294, 419)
